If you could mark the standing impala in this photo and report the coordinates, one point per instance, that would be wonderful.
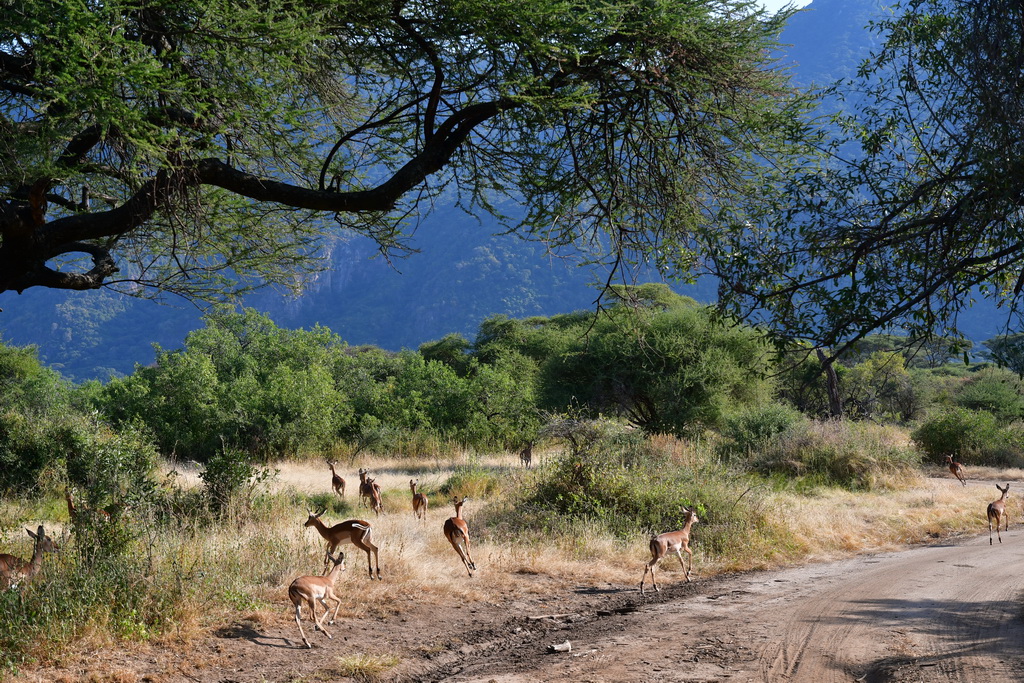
(314, 589)
(376, 501)
(526, 455)
(367, 489)
(354, 531)
(956, 469)
(457, 533)
(337, 483)
(997, 511)
(419, 501)
(14, 570)
(671, 542)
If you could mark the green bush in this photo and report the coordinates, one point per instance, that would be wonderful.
(751, 429)
(994, 390)
(852, 455)
(232, 474)
(71, 597)
(633, 487)
(972, 436)
(473, 481)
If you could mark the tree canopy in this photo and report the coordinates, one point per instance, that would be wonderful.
(916, 212)
(205, 147)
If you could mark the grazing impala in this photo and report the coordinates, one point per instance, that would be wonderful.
(337, 483)
(14, 570)
(314, 589)
(419, 501)
(956, 469)
(997, 511)
(457, 533)
(671, 542)
(354, 531)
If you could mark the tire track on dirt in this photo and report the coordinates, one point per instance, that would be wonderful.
(947, 612)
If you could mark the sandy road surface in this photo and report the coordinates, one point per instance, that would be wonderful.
(938, 613)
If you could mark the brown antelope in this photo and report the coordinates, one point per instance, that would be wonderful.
(354, 531)
(365, 489)
(14, 570)
(376, 501)
(337, 483)
(956, 469)
(419, 501)
(457, 533)
(671, 542)
(997, 511)
(80, 514)
(314, 589)
(526, 455)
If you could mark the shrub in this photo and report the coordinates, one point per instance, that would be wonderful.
(856, 456)
(972, 436)
(473, 481)
(229, 474)
(633, 487)
(996, 391)
(751, 429)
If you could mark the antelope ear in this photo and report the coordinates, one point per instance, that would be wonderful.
(31, 534)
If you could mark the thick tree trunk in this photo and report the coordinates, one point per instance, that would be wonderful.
(835, 401)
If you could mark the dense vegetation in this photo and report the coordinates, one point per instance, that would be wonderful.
(653, 404)
(653, 360)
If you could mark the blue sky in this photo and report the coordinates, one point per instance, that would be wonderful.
(777, 4)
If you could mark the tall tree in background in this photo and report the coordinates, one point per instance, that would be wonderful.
(918, 212)
(205, 147)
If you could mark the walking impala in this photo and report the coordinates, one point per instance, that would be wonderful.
(956, 469)
(997, 511)
(337, 483)
(14, 570)
(457, 533)
(419, 501)
(671, 542)
(354, 531)
(314, 589)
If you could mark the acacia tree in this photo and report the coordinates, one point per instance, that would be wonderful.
(918, 212)
(203, 147)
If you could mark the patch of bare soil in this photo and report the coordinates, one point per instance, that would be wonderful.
(947, 612)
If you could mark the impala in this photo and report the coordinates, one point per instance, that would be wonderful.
(457, 533)
(671, 542)
(419, 501)
(354, 531)
(80, 514)
(376, 502)
(997, 511)
(366, 488)
(313, 589)
(337, 483)
(526, 455)
(14, 570)
(956, 469)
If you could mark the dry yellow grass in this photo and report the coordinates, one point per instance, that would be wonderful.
(417, 560)
(242, 568)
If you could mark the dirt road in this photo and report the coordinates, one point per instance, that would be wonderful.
(939, 613)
